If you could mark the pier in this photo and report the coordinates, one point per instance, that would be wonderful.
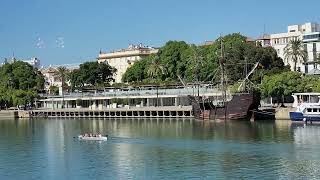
(111, 113)
(136, 102)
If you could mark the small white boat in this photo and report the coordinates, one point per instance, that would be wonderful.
(101, 138)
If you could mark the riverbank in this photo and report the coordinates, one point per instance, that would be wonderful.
(280, 113)
(8, 114)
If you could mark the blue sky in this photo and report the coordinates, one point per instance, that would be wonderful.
(73, 31)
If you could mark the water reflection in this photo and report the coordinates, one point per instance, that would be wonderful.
(153, 148)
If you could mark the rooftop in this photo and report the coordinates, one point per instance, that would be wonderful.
(132, 50)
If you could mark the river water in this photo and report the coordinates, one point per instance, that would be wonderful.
(158, 149)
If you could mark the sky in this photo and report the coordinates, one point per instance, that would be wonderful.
(74, 31)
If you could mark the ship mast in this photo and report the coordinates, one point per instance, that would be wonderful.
(223, 81)
(222, 67)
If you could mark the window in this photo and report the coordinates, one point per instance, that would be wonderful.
(309, 110)
(312, 36)
(314, 110)
(306, 68)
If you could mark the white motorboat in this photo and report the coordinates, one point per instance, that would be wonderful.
(307, 107)
(98, 138)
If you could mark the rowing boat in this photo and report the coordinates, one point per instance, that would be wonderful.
(102, 138)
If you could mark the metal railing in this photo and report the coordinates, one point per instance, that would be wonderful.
(141, 92)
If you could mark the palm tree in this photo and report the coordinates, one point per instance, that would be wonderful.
(295, 52)
(62, 73)
(155, 68)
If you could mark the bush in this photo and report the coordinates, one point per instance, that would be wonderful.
(79, 102)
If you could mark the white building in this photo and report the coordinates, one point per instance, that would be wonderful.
(308, 33)
(35, 62)
(124, 58)
(49, 74)
(50, 78)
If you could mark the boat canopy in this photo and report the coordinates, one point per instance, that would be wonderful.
(311, 98)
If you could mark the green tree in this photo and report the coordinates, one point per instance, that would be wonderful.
(156, 69)
(63, 74)
(54, 90)
(286, 83)
(21, 75)
(91, 74)
(190, 62)
(295, 52)
(170, 56)
(19, 83)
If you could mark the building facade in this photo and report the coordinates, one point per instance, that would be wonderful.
(124, 58)
(50, 77)
(35, 62)
(308, 33)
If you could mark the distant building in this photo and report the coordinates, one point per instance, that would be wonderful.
(264, 40)
(49, 74)
(124, 58)
(308, 33)
(35, 62)
(249, 40)
(207, 43)
(49, 77)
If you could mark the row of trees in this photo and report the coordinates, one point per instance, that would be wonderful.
(178, 60)
(19, 84)
(284, 84)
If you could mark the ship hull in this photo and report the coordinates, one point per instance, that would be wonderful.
(240, 107)
(300, 117)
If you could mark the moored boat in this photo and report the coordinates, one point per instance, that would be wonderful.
(240, 107)
(307, 107)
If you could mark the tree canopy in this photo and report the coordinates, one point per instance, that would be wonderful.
(286, 83)
(192, 63)
(91, 73)
(295, 52)
(19, 83)
(21, 75)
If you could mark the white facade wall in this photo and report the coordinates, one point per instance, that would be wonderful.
(35, 62)
(123, 59)
(122, 64)
(313, 50)
(279, 42)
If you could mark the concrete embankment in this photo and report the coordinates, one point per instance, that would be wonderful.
(282, 113)
(8, 114)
